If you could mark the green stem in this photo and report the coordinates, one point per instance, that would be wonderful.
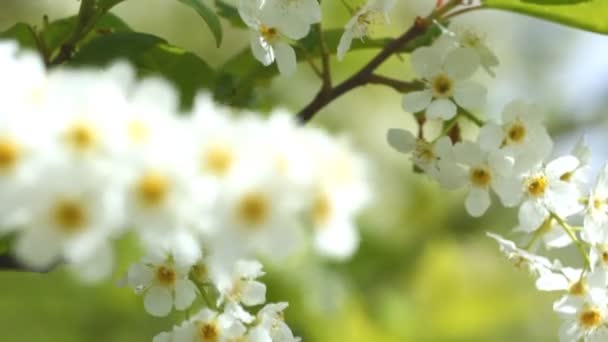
(477, 121)
(571, 233)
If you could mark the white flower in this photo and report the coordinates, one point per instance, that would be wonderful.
(535, 264)
(596, 212)
(254, 213)
(447, 83)
(520, 134)
(480, 171)
(163, 279)
(267, 42)
(546, 191)
(69, 216)
(291, 15)
(333, 223)
(271, 325)
(241, 286)
(585, 316)
(425, 155)
(358, 25)
(209, 326)
(470, 39)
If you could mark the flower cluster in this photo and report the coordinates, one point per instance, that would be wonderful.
(274, 23)
(89, 155)
(511, 157)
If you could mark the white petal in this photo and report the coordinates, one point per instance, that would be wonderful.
(185, 293)
(468, 153)
(461, 63)
(254, 293)
(558, 167)
(261, 50)
(345, 43)
(416, 101)
(509, 190)
(549, 281)
(490, 137)
(249, 269)
(163, 337)
(158, 301)
(338, 241)
(441, 109)
(470, 95)
(426, 62)
(286, 58)
(531, 215)
(38, 248)
(477, 202)
(401, 140)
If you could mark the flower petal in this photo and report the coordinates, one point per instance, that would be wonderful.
(158, 301)
(426, 62)
(401, 140)
(461, 63)
(477, 202)
(416, 101)
(254, 293)
(286, 58)
(470, 95)
(185, 293)
(441, 109)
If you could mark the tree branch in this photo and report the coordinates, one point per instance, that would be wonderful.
(362, 77)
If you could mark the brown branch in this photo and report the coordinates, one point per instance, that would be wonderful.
(397, 85)
(362, 77)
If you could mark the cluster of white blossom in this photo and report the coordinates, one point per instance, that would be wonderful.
(274, 23)
(511, 158)
(88, 155)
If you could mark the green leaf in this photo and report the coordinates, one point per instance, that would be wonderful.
(212, 20)
(150, 55)
(229, 13)
(590, 15)
(23, 34)
(58, 31)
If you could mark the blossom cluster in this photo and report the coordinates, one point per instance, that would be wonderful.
(88, 155)
(511, 158)
(275, 23)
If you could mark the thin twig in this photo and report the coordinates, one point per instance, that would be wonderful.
(397, 85)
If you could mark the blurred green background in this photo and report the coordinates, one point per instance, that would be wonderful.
(425, 270)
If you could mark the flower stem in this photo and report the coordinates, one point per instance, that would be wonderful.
(571, 233)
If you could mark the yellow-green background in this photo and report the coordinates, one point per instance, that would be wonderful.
(425, 270)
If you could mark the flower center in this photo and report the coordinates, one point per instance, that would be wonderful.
(590, 318)
(81, 136)
(165, 276)
(480, 176)
(424, 152)
(200, 272)
(152, 189)
(321, 209)
(578, 289)
(598, 203)
(208, 332)
(605, 257)
(269, 34)
(10, 153)
(253, 208)
(218, 160)
(536, 186)
(69, 216)
(442, 86)
(516, 133)
(138, 132)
